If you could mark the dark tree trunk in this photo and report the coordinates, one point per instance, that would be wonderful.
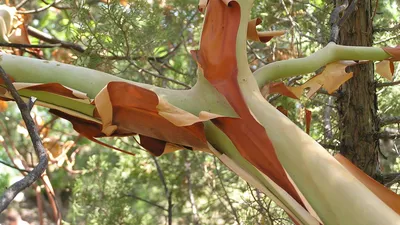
(357, 104)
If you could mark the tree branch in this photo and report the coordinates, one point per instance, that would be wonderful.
(14, 45)
(390, 179)
(22, 3)
(52, 40)
(147, 201)
(387, 120)
(167, 191)
(40, 9)
(387, 84)
(35, 174)
(394, 28)
(330, 53)
(386, 135)
(334, 21)
(226, 193)
(14, 167)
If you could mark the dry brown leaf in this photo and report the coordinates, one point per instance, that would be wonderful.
(385, 68)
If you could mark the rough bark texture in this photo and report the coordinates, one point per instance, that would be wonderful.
(357, 103)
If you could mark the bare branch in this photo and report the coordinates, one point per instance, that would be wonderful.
(387, 120)
(329, 146)
(40, 9)
(52, 40)
(147, 201)
(14, 45)
(168, 193)
(394, 28)
(327, 119)
(388, 84)
(226, 193)
(21, 4)
(387, 135)
(35, 174)
(390, 179)
(14, 167)
(334, 20)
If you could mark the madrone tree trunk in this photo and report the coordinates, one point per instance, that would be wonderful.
(357, 103)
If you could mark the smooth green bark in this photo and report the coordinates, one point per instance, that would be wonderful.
(331, 53)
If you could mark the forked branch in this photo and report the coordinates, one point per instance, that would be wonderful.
(35, 174)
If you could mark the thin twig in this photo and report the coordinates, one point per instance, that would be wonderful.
(226, 193)
(35, 174)
(387, 120)
(40, 9)
(21, 4)
(14, 45)
(14, 167)
(334, 20)
(52, 40)
(147, 201)
(168, 193)
(328, 134)
(386, 135)
(375, 9)
(387, 84)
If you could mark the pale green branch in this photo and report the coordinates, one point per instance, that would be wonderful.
(331, 53)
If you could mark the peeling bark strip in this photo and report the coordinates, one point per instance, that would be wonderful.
(139, 113)
(217, 59)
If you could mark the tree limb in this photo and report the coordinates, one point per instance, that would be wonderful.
(334, 21)
(35, 174)
(52, 40)
(40, 9)
(14, 167)
(387, 84)
(147, 201)
(386, 135)
(14, 45)
(387, 120)
(331, 53)
(167, 191)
